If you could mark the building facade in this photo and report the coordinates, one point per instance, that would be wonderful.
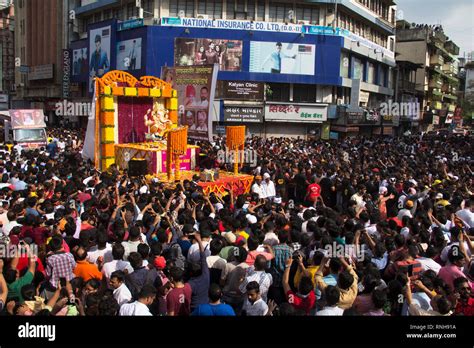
(336, 57)
(437, 76)
(7, 53)
(40, 37)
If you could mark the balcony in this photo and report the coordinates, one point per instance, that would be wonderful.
(448, 68)
(436, 60)
(450, 96)
(407, 85)
(435, 83)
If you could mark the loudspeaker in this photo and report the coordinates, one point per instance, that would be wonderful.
(138, 167)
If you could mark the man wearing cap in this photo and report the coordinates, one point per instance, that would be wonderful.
(409, 210)
(268, 187)
(258, 188)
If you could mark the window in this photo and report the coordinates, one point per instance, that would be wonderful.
(358, 69)
(22, 27)
(279, 12)
(392, 44)
(211, 8)
(86, 22)
(230, 9)
(280, 92)
(383, 77)
(148, 8)
(108, 14)
(251, 9)
(260, 10)
(182, 5)
(240, 10)
(371, 73)
(344, 67)
(304, 93)
(132, 11)
(117, 13)
(308, 14)
(97, 17)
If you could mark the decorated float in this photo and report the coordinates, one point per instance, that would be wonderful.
(136, 120)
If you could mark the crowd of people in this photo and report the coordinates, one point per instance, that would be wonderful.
(361, 226)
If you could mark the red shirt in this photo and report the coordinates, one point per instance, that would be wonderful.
(178, 301)
(314, 191)
(298, 302)
(465, 309)
(38, 234)
(23, 262)
(82, 197)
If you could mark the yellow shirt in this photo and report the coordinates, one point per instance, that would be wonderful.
(311, 269)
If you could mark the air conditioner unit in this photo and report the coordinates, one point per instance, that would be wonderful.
(203, 16)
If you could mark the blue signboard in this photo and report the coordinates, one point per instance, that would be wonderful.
(133, 23)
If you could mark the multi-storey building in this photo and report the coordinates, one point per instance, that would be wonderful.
(348, 62)
(437, 76)
(39, 40)
(7, 53)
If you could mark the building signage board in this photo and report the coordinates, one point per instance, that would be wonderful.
(355, 117)
(66, 73)
(41, 72)
(133, 23)
(242, 90)
(231, 24)
(296, 113)
(250, 114)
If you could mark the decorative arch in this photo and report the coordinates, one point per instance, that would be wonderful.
(115, 76)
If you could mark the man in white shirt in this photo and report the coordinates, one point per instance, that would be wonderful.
(194, 253)
(254, 305)
(11, 223)
(140, 307)
(121, 293)
(258, 187)
(359, 196)
(215, 263)
(427, 262)
(135, 238)
(118, 264)
(467, 214)
(333, 295)
(268, 187)
(102, 249)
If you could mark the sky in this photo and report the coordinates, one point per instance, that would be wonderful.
(456, 17)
